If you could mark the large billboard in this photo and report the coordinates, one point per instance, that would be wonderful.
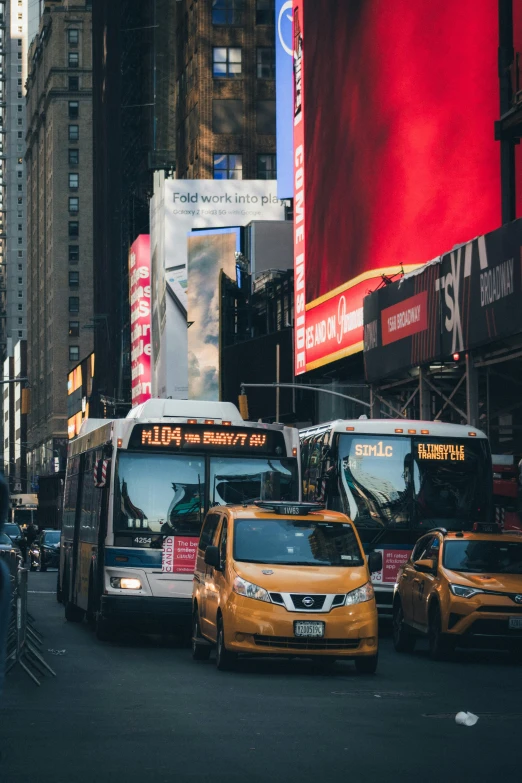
(140, 295)
(394, 151)
(179, 207)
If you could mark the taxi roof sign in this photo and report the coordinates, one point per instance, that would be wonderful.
(486, 527)
(288, 508)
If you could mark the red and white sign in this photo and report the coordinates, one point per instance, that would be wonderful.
(179, 554)
(405, 318)
(139, 283)
(392, 560)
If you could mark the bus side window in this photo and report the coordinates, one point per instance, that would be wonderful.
(305, 452)
(208, 531)
(71, 496)
(314, 476)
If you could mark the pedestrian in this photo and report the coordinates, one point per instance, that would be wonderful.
(5, 583)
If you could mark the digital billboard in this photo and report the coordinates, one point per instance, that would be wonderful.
(395, 158)
(139, 285)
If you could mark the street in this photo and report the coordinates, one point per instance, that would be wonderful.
(141, 709)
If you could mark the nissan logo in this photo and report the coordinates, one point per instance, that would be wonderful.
(309, 602)
(518, 599)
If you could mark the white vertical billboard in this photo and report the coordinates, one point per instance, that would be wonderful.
(179, 207)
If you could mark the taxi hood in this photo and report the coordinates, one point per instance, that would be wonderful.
(303, 579)
(506, 583)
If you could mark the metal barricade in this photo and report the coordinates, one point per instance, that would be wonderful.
(24, 642)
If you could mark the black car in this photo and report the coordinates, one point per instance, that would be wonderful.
(14, 533)
(45, 551)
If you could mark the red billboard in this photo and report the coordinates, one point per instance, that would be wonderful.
(139, 285)
(395, 158)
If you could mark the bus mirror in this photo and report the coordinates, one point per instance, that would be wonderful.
(375, 562)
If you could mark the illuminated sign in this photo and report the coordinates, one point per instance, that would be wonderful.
(377, 450)
(139, 281)
(441, 451)
(198, 437)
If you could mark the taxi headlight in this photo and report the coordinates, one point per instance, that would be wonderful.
(125, 583)
(464, 592)
(242, 587)
(364, 593)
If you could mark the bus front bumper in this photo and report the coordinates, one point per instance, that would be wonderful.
(145, 611)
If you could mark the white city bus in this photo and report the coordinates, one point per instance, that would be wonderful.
(136, 492)
(396, 479)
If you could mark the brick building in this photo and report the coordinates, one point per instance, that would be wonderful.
(59, 221)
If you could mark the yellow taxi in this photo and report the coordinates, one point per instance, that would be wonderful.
(283, 579)
(461, 589)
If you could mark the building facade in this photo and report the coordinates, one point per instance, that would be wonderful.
(59, 221)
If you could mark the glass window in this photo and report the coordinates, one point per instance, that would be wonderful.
(74, 254)
(266, 62)
(74, 83)
(74, 353)
(74, 228)
(74, 110)
(74, 132)
(74, 59)
(479, 557)
(266, 117)
(74, 205)
(296, 542)
(235, 479)
(227, 11)
(19, 107)
(73, 36)
(422, 548)
(74, 304)
(159, 493)
(227, 115)
(74, 328)
(20, 307)
(74, 279)
(74, 181)
(266, 167)
(74, 158)
(226, 62)
(265, 12)
(228, 166)
(209, 530)
(223, 544)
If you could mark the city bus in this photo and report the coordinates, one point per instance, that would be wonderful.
(397, 479)
(24, 509)
(136, 492)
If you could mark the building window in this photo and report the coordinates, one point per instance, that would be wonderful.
(19, 174)
(74, 304)
(74, 59)
(20, 200)
(19, 42)
(20, 294)
(19, 107)
(20, 161)
(20, 321)
(20, 254)
(74, 279)
(227, 116)
(20, 121)
(74, 132)
(265, 12)
(20, 135)
(20, 227)
(20, 188)
(19, 240)
(20, 307)
(19, 82)
(20, 96)
(74, 157)
(20, 281)
(19, 69)
(74, 228)
(227, 11)
(74, 205)
(74, 353)
(74, 110)
(266, 62)
(266, 117)
(20, 333)
(228, 166)
(74, 83)
(226, 62)
(74, 328)
(74, 181)
(74, 254)
(19, 55)
(73, 36)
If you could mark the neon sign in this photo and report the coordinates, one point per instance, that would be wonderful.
(200, 437)
(441, 451)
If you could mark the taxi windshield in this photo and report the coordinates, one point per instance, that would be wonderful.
(296, 542)
(481, 557)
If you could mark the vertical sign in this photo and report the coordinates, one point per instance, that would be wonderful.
(299, 192)
(139, 282)
(284, 95)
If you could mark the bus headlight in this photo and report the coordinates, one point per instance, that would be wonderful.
(125, 583)
(364, 593)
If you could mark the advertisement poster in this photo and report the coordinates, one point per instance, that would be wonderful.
(140, 298)
(179, 554)
(388, 172)
(392, 560)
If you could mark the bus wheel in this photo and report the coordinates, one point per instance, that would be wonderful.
(103, 629)
(58, 588)
(73, 613)
(200, 651)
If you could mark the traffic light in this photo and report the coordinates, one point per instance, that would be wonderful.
(243, 406)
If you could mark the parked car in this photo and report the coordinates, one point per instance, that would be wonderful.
(9, 551)
(45, 551)
(14, 532)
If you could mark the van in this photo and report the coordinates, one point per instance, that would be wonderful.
(279, 578)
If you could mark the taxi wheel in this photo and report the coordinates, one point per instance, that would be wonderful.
(200, 652)
(366, 664)
(441, 646)
(403, 639)
(225, 660)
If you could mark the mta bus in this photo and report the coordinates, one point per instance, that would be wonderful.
(396, 479)
(136, 492)
(24, 509)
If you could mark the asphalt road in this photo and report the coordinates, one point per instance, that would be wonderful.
(141, 710)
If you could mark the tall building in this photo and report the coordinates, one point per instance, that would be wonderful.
(59, 221)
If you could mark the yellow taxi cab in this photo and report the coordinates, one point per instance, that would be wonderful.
(461, 589)
(283, 579)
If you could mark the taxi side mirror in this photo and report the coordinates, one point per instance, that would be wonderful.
(212, 557)
(426, 566)
(375, 562)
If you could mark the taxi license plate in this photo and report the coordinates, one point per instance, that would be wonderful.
(311, 629)
(515, 623)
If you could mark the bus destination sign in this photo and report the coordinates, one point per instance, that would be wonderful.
(441, 451)
(197, 437)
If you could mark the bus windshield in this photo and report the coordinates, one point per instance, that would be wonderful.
(400, 482)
